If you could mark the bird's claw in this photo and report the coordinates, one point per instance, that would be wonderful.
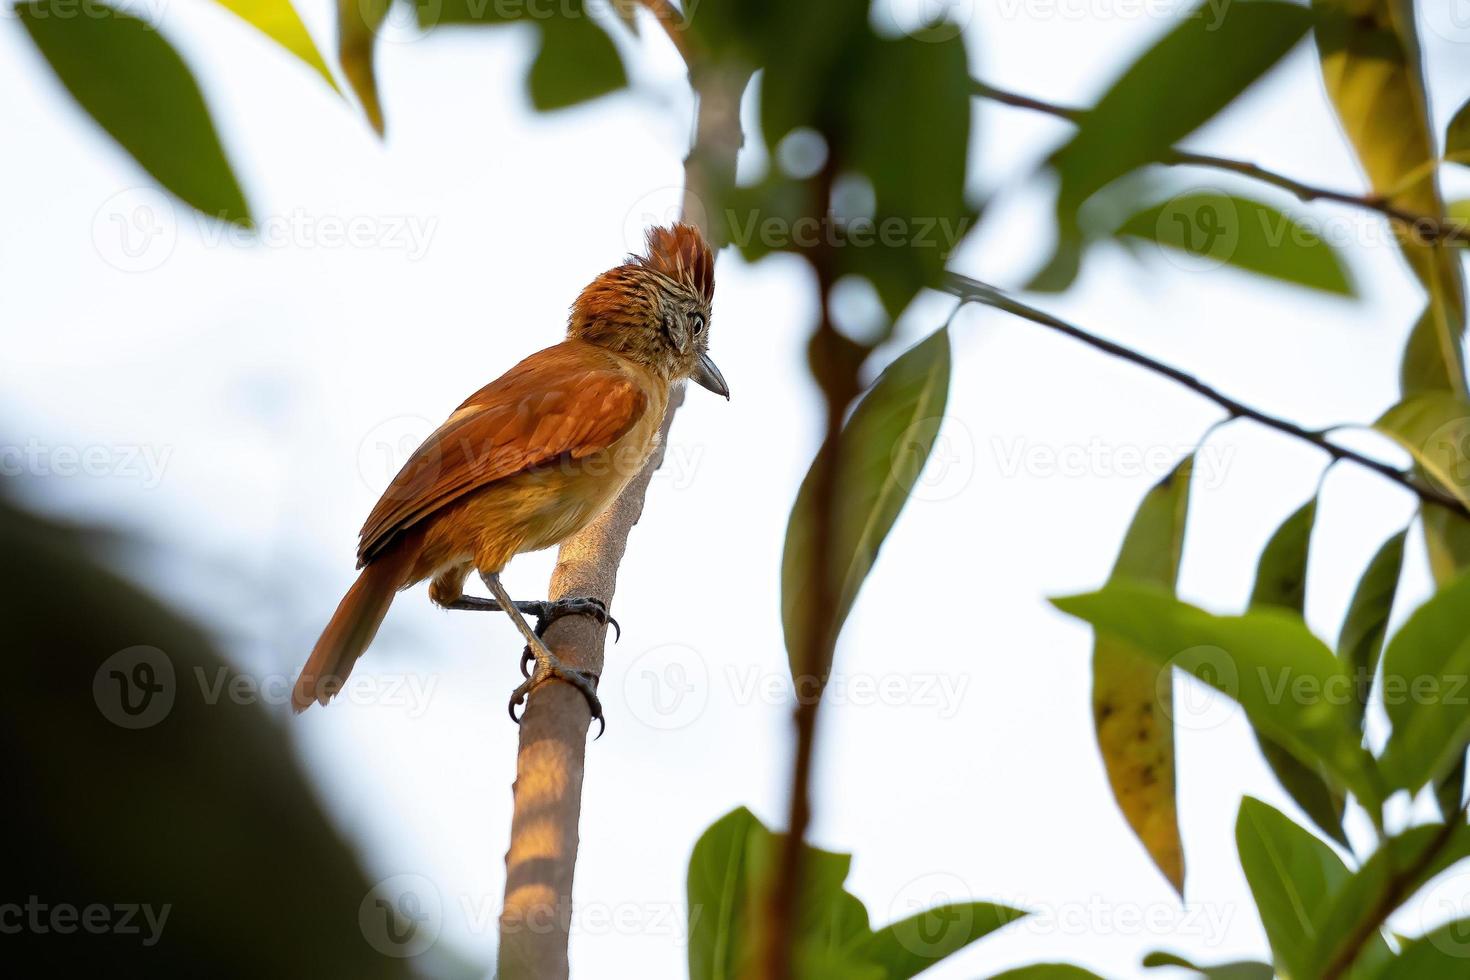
(555, 671)
(548, 612)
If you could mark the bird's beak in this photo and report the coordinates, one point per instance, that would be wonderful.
(706, 375)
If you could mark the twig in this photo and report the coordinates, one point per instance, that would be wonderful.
(974, 291)
(1427, 228)
(536, 921)
(1394, 892)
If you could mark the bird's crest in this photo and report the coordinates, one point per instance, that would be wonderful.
(679, 252)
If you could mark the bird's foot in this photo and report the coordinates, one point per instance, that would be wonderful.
(549, 668)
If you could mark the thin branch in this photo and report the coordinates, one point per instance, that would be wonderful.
(838, 378)
(973, 291)
(1426, 228)
(535, 923)
(1395, 891)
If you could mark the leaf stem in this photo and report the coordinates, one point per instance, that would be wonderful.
(1427, 228)
(974, 291)
(1395, 891)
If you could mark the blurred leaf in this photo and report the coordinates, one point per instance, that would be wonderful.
(727, 873)
(1132, 703)
(1371, 66)
(357, 35)
(881, 453)
(177, 791)
(1360, 897)
(128, 78)
(1188, 76)
(278, 20)
(1435, 428)
(1290, 684)
(1292, 876)
(1440, 955)
(1048, 971)
(1366, 623)
(1224, 971)
(1281, 581)
(1426, 689)
(577, 61)
(1246, 234)
(1457, 139)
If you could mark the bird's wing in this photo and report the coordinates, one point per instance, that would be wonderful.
(570, 401)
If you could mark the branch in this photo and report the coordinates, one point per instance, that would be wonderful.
(1428, 228)
(836, 362)
(1395, 891)
(973, 291)
(536, 920)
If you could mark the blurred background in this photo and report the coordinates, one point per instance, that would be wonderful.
(210, 415)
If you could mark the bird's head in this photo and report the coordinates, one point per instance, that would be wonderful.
(654, 309)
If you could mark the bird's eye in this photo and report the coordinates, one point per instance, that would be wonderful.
(696, 324)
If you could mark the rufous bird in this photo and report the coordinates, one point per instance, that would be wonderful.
(531, 459)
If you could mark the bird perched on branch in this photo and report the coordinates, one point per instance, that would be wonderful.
(532, 458)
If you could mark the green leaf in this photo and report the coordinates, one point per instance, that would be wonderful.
(1440, 955)
(910, 946)
(1224, 971)
(1291, 686)
(1426, 689)
(1292, 875)
(717, 891)
(1435, 428)
(357, 37)
(730, 869)
(577, 60)
(577, 63)
(1360, 897)
(1366, 623)
(1048, 971)
(278, 20)
(128, 78)
(1132, 705)
(882, 450)
(1247, 234)
(1281, 581)
(1192, 73)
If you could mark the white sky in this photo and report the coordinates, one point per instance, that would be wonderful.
(276, 387)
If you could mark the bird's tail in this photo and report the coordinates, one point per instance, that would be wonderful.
(351, 629)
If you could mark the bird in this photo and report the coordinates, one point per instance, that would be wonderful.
(532, 458)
